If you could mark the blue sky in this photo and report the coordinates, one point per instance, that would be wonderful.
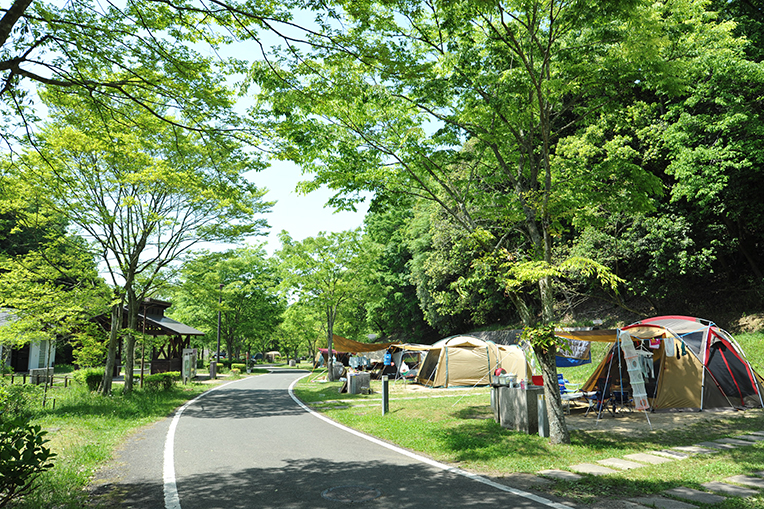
(301, 215)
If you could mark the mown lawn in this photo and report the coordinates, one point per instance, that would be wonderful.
(457, 426)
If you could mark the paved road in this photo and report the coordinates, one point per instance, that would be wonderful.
(248, 444)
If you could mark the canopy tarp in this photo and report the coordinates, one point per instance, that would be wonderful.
(605, 335)
(341, 344)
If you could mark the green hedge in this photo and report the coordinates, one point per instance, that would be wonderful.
(161, 381)
(240, 367)
(91, 377)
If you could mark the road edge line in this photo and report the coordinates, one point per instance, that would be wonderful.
(423, 459)
(171, 496)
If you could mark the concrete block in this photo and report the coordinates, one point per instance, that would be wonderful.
(694, 449)
(562, 475)
(620, 464)
(717, 445)
(662, 503)
(650, 459)
(756, 482)
(674, 455)
(702, 497)
(733, 441)
(730, 490)
(590, 468)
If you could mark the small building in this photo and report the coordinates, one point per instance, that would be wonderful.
(34, 355)
(153, 322)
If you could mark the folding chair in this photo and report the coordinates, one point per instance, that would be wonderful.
(566, 394)
(602, 399)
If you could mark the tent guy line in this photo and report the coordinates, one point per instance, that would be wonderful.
(422, 459)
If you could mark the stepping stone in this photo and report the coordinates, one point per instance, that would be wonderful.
(760, 473)
(717, 445)
(759, 433)
(662, 503)
(694, 449)
(589, 468)
(563, 475)
(733, 441)
(729, 489)
(756, 482)
(650, 459)
(674, 455)
(620, 464)
(695, 496)
(751, 437)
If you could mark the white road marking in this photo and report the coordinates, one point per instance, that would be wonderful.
(171, 497)
(428, 461)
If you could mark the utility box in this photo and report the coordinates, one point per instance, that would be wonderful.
(518, 408)
(188, 371)
(359, 383)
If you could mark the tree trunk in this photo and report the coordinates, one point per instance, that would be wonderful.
(132, 324)
(558, 430)
(111, 355)
(329, 338)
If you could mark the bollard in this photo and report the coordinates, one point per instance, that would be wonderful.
(385, 395)
(543, 420)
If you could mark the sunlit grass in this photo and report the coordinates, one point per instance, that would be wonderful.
(457, 426)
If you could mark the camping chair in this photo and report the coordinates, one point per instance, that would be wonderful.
(566, 393)
(622, 399)
(602, 399)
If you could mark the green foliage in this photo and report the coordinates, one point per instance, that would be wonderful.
(238, 366)
(23, 458)
(18, 400)
(542, 337)
(89, 377)
(235, 373)
(161, 381)
(249, 305)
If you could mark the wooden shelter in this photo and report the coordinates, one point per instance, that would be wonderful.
(153, 322)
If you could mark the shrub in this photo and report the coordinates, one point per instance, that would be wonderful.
(23, 457)
(240, 367)
(199, 363)
(91, 377)
(235, 372)
(161, 381)
(17, 400)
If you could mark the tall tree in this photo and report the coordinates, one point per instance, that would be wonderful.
(47, 277)
(465, 104)
(250, 306)
(323, 272)
(141, 197)
(114, 53)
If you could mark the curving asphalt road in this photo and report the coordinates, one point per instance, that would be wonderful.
(249, 444)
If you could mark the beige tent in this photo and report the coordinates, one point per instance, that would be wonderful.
(469, 361)
(676, 362)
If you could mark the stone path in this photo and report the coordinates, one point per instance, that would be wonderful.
(677, 498)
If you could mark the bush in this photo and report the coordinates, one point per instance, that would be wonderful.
(92, 377)
(23, 457)
(161, 381)
(235, 373)
(240, 367)
(18, 400)
(199, 363)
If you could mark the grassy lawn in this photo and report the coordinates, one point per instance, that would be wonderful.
(85, 428)
(457, 426)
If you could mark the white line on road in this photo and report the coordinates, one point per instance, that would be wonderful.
(171, 497)
(428, 461)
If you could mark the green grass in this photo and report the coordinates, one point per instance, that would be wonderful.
(457, 426)
(85, 428)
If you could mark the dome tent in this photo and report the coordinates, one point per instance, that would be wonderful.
(685, 363)
(469, 361)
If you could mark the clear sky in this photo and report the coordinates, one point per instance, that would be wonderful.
(301, 215)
